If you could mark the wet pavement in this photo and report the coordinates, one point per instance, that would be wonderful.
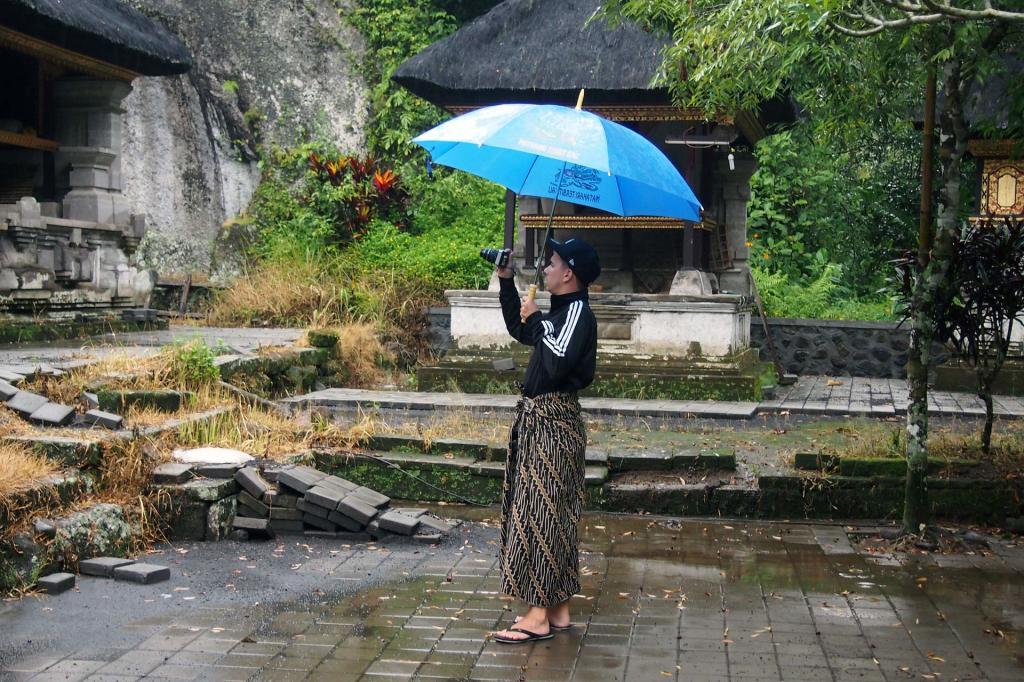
(661, 599)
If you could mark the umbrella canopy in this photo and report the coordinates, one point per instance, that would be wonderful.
(545, 150)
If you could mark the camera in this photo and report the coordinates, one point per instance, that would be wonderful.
(500, 257)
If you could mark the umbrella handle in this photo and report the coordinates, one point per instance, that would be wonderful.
(531, 294)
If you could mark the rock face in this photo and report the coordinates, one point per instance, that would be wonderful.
(265, 72)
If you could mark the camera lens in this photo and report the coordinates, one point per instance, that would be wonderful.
(499, 257)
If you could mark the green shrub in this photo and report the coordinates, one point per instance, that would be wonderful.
(192, 365)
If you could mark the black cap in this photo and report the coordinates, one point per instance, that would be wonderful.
(580, 257)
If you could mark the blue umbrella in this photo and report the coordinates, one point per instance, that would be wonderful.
(552, 151)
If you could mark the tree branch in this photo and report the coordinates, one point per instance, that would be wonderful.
(949, 10)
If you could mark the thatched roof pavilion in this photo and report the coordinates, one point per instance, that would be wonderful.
(545, 51)
(106, 30)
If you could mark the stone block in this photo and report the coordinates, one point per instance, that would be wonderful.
(344, 521)
(322, 338)
(397, 523)
(25, 403)
(144, 574)
(209, 489)
(217, 470)
(103, 566)
(374, 530)
(107, 420)
(250, 524)
(219, 518)
(254, 505)
(90, 400)
(45, 527)
(317, 522)
(338, 483)
(414, 512)
(55, 583)
(286, 525)
(327, 497)
(372, 497)
(299, 479)
(172, 472)
(251, 481)
(7, 391)
(356, 508)
(285, 514)
(282, 500)
(242, 510)
(313, 509)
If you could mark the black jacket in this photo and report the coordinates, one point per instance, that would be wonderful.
(564, 341)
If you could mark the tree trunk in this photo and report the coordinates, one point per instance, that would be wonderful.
(986, 435)
(929, 289)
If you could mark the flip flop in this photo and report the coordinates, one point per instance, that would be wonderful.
(530, 637)
(556, 628)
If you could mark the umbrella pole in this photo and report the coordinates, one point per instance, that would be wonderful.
(547, 234)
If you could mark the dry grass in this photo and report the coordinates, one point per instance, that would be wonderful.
(323, 293)
(459, 424)
(255, 431)
(21, 469)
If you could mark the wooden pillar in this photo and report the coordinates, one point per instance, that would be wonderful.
(510, 218)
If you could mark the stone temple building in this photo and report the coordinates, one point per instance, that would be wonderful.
(66, 229)
(674, 300)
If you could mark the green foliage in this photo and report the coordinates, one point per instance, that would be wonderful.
(818, 297)
(452, 218)
(192, 364)
(811, 200)
(396, 30)
(230, 87)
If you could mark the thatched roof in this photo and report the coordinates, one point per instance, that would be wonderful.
(541, 50)
(107, 30)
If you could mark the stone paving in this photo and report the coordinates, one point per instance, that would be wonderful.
(661, 599)
(809, 395)
(833, 396)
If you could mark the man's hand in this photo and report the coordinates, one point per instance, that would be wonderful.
(527, 308)
(505, 273)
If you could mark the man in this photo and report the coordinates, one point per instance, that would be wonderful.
(542, 495)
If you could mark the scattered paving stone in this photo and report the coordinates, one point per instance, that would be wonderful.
(250, 524)
(144, 574)
(251, 481)
(327, 497)
(299, 479)
(317, 522)
(339, 483)
(372, 497)
(90, 400)
(432, 522)
(217, 470)
(428, 537)
(11, 377)
(345, 522)
(313, 509)
(211, 456)
(239, 535)
(55, 583)
(53, 414)
(7, 391)
(398, 523)
(254, 505)
(172, 472)
(45, 527)
(271, 471)
(25, 403)
(107, 420)
(355, 507)
(102, 566)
